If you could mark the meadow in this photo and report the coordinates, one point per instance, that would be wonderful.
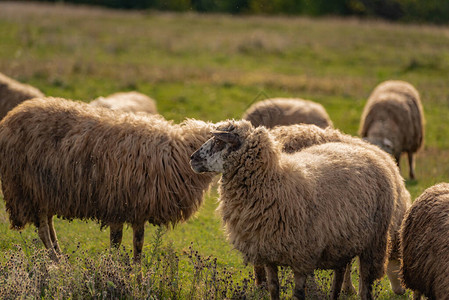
(210, 67)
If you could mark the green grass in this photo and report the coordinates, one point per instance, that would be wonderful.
(213, 67)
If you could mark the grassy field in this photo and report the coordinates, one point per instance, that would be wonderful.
(212, 67)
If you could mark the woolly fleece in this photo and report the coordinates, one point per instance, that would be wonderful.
(301, 209)
(424, 236)
(286, 111)
(127, 102)
(13, 93)
(74, 160)
(393, 119)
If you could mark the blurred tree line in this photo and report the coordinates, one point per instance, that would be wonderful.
(434, 11)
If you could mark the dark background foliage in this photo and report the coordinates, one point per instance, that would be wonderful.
(430, 11)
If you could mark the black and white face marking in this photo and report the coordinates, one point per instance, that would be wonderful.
(211, 155)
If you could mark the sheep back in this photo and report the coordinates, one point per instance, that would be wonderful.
(394, 107)
(79, 161)
(424, 237)
(286, 111)
(13, 92)
(127, 102)
(294, 138)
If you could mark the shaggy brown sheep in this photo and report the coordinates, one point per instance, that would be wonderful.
(300, 209)
(127, 102)
(285, 111)
(74, 160)
(393, 119)
(424, 244)
(293, 138)
(13, 92)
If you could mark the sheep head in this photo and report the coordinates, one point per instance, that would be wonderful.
(211, 156)
(382, 134)
(235, 144)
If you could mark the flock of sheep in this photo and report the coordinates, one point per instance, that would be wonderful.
(294, 191)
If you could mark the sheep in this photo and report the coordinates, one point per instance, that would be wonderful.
(424, 241)
(127, 102)
(13, 92)
(393, 119)
(286, 111)
(300, 209)
(293, 138)
(74, 160)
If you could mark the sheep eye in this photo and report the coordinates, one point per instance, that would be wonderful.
(219, 145)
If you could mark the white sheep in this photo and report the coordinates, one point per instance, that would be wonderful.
(70, 159)
(300, 210)
(127, 102)
(393, 119)
(287, 111)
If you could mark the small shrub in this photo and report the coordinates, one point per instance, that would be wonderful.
(28, 272)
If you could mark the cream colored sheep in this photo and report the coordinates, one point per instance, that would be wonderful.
(425, 241)
(73, 160)
(127, 102)
(393, 119)
(300, 210)
(286, 111)
(13, 93)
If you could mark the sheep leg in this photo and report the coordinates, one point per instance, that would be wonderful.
(115, 234)
(300, 286)
(348, 288)
(367, 278)
(260, 275)
(54, 239)
(339, 275)
(273, 281)
(44, 234)
(138, 237)
(411, 164)
(393, 269)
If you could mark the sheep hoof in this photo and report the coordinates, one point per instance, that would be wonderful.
(398, 290)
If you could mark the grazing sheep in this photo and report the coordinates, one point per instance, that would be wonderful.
(13, 92)
(285, 111)
(300, 210)
(293, 138)
(393, 119)
(127, 102)
(73, 160)
(424, 244)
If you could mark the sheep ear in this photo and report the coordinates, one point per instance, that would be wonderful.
(227, 137)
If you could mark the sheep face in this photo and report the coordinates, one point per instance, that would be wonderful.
(210, 157)
(383, 143)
